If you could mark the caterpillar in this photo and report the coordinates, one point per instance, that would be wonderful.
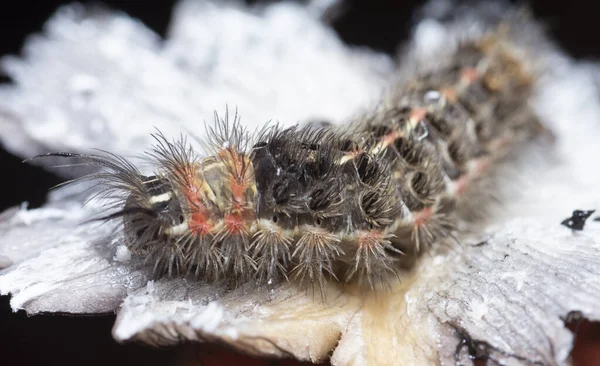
(319, 203)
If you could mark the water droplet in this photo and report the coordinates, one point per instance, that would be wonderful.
(432, 96)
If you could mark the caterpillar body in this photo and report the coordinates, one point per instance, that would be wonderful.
(321, 203)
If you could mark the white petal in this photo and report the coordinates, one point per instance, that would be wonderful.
(56, 263)
(103, 80)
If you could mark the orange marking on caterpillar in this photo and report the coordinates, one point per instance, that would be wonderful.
(416, 116)
(235, 223)
(369, 238)
(351, 155)
(237, 191)
(385, 141)
(478, 168)
(239, 181)
(450, 94)
(499, 143)
(469, 75)
(237, 162)
(461, 184)
(422, 217)
(390, 138)
(199, 222)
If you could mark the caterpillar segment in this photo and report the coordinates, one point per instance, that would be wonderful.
(324, 203)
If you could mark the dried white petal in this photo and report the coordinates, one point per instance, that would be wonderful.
(278, 64)
(93, 73)
(282, 322)
(58, 264)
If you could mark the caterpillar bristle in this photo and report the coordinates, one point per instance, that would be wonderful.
(315, 256)
(317, 204)
(374, 262)
(272, 248)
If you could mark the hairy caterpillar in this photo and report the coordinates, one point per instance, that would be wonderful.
(324, 203)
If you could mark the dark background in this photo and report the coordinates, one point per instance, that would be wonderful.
(60, 340)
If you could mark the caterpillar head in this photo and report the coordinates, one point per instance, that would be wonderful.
(152, 213)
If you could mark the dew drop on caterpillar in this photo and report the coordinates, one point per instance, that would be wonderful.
(324, 203)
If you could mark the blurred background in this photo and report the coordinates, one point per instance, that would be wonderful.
(68, 340)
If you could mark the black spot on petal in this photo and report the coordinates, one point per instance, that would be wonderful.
(577, 220)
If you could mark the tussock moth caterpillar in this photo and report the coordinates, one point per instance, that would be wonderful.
(325, 203)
